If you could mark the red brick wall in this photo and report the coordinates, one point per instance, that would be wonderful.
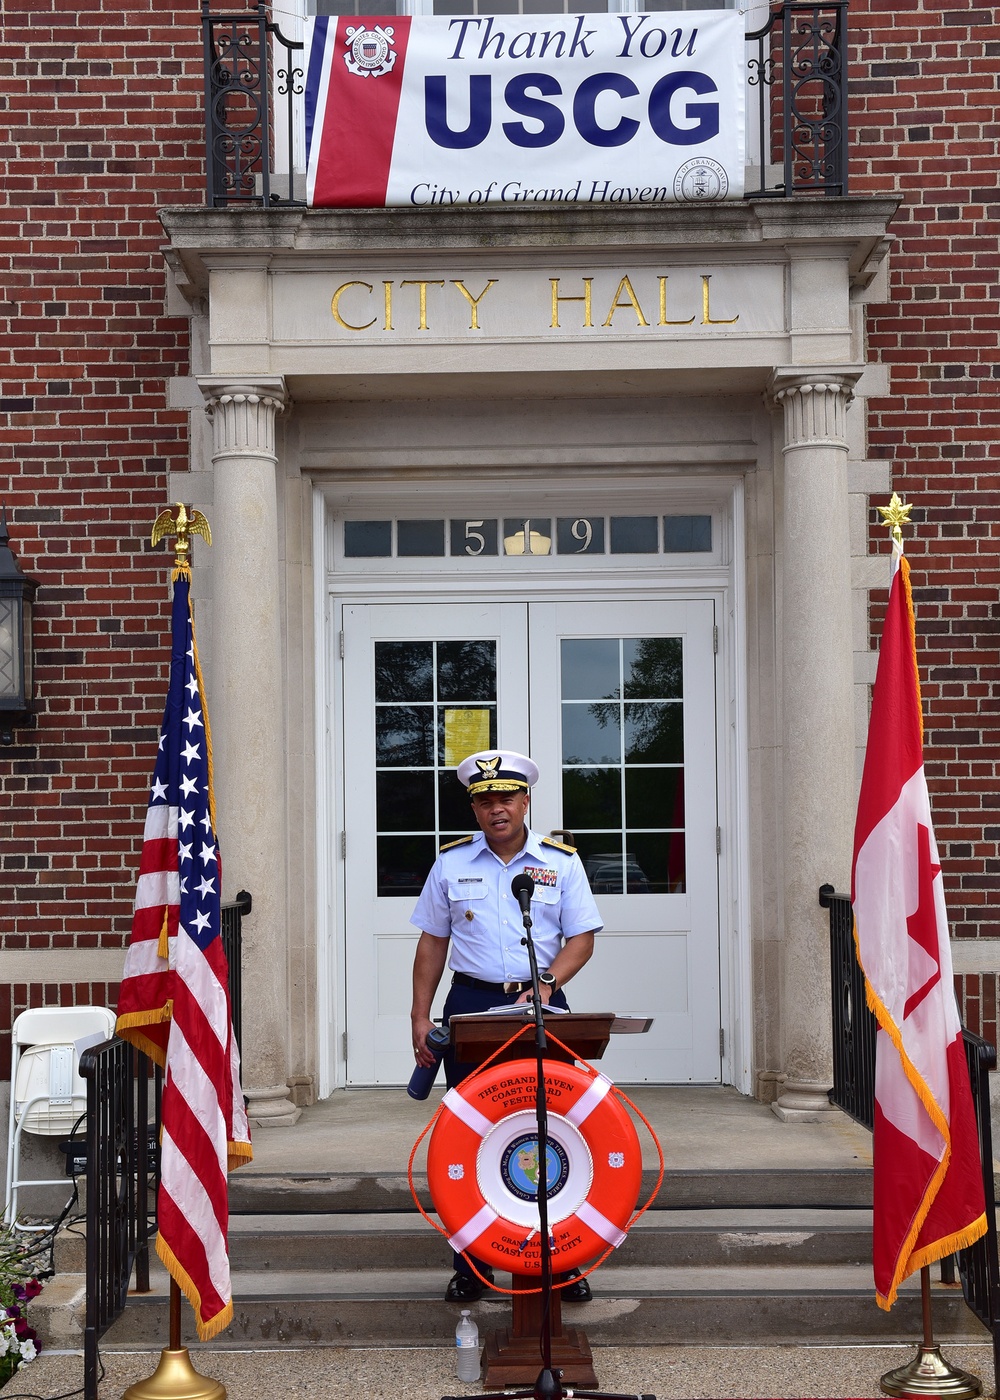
(19, 996)
(100, 124)
(925, 126)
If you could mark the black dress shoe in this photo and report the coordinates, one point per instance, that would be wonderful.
(578, 1291)
(465, 1288)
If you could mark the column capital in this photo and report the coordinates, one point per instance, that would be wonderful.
(815, 402)
(243, 413)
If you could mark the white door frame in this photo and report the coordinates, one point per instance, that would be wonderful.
(725, 582)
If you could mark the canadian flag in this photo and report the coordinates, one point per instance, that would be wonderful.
(928, 1188)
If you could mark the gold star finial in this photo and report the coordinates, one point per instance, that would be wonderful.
(894, 516)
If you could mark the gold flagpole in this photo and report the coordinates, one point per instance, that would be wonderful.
(175, 1378)
(928, 1373)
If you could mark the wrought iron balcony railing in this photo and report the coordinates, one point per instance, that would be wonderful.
(796, 89)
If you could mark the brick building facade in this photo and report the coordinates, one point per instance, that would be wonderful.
(104, 128)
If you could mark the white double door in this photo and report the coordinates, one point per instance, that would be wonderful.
(615, 700)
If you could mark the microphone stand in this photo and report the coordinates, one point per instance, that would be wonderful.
(548, 1383)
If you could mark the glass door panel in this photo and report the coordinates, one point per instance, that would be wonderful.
(423, 688)
(630, 713)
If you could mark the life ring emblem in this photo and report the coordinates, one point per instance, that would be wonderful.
(482, 1166)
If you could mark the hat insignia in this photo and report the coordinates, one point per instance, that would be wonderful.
(489, 767)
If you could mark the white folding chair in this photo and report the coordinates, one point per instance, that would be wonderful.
(47, 1093)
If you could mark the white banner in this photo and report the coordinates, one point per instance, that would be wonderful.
(525, 109)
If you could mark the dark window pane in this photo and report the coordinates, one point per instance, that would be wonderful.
(654, 733)
(404, 737)
(404, 801)
(467, 670)
(654, 668)
(601, 853)
(687, 534)
(470, 538)
(654, 797)
(454, 807)
(444, 722)
(420, 538)
(404, 863)
(592, 733)
(540, 532)
(367, 539)
(590, 669)
(659, 855)
(634, 534)
(581, 536)
(404, 671)
(592, 797)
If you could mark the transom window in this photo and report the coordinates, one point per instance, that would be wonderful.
(533, 535)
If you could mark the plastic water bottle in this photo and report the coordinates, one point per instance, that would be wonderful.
(467, 1347)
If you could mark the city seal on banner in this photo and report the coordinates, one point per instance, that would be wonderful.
(700, 179)
(369, 51)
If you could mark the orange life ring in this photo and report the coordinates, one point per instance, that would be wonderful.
(480, 1166)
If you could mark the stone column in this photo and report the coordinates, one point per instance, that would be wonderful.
(817, 716)
(248, 720)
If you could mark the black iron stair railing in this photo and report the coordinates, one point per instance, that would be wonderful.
(854, 1034)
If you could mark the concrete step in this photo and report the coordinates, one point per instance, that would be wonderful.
(253, 1192)
(665, 1238)
(631, 1306)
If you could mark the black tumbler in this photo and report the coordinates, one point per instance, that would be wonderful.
(423, 1076)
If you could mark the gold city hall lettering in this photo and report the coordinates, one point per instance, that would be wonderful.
(358, 302)
(640, 301)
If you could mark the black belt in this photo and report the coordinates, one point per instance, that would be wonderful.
(462, 979)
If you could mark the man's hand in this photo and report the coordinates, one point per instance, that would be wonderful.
(546, 992)
(428, 965)
(419, 1027)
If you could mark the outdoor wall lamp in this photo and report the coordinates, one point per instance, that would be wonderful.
(17, 595)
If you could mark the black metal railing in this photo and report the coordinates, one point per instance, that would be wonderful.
(117, 1078)
(796, 70)
(243, 80)
(232, 941)
(977, 1265)
(854, 1031)
(122, 1169)
(854, 1025)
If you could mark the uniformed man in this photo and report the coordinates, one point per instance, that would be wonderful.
(467, 899)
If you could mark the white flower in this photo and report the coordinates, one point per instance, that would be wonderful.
(4, 1341)
(28, 1350)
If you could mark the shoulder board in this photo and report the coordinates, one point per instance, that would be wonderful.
(559, 845)
(462, 841)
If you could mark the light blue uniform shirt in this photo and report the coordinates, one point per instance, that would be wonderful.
(467, 897)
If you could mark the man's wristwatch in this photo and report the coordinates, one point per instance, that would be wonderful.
(548, 979)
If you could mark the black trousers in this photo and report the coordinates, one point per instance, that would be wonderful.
(462, 1001)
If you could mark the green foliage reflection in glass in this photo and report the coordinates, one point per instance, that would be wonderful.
(623, 761)
(418, 802)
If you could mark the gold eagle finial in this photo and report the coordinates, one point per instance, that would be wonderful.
(182, 524)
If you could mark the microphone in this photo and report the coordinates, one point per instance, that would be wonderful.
(522, 887)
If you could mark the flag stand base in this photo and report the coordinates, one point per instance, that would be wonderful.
(929, 1374)
(176, 1379)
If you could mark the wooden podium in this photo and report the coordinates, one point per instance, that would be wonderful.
(513, 1355)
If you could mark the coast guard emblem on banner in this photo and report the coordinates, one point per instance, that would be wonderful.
(369, 51)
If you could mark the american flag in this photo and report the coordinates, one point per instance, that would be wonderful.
(174, 1000)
